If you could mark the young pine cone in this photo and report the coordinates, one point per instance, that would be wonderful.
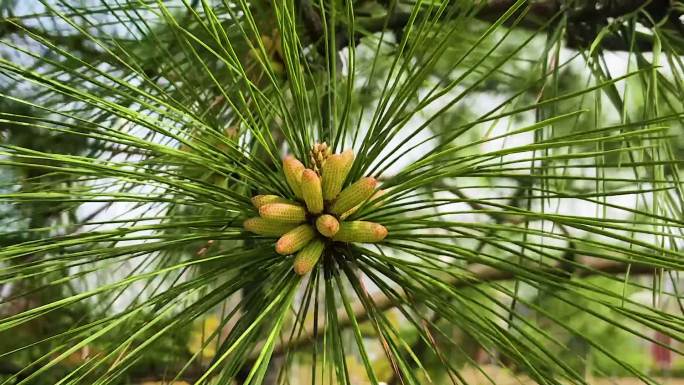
(316, 219)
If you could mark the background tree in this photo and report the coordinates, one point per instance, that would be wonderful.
(529, 152)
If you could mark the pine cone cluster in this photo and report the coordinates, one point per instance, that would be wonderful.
(317, 217)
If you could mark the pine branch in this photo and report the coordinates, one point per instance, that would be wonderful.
(584, 21)
(479, 274)
(247, 167)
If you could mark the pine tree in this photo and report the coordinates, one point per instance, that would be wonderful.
(339, 192)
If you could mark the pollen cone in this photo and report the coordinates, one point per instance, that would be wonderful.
(353, 195)
(260, 200)
(283, 212)
(267, 227)
(307, 258)
(335, 172)
(327, 225)
(378, 203)
(360, 231)
(311, 191)
(295, 239)
(293, 174)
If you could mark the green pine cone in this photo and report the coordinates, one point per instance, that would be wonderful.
(283, 212)
(311, 191)
(335, 170)
(353, 195)
(327, 225)
(293, 174)
(267, 227)
(260, 200)
(307, 258)
(378, 203)
(360, 231)
(295, 239)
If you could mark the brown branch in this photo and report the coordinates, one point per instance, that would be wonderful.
(579, 11)
(584, 21)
